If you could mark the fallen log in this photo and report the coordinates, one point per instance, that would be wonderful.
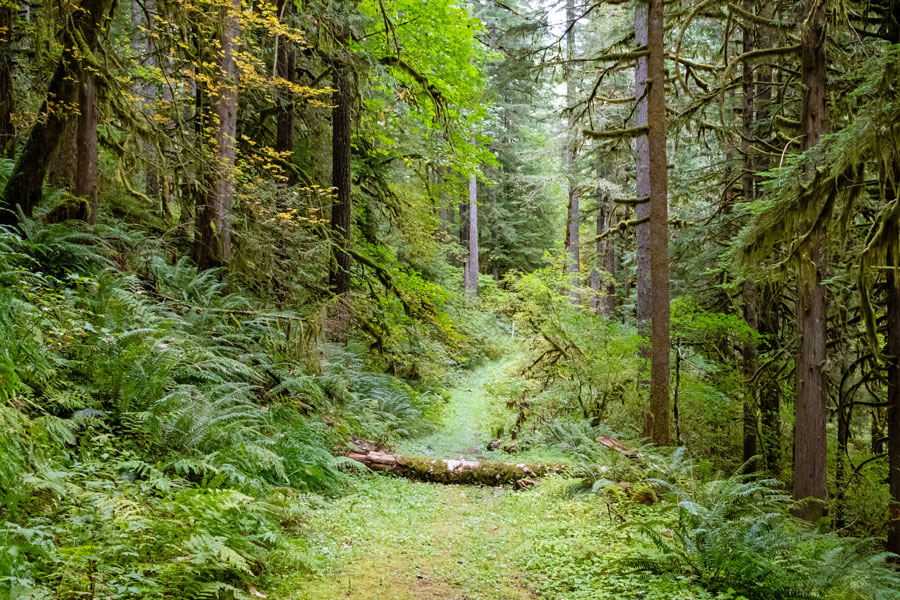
(614, 444)
(439, 470)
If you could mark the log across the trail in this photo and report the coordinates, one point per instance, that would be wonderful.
(472, 472)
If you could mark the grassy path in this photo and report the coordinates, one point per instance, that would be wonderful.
(395, 539)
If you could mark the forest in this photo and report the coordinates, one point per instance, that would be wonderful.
(450, 299)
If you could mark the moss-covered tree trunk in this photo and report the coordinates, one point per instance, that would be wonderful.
(341, 130)
(642, 178)
(659, 228)
(893, 346)
(749, 288)
(439, 470)
(82, 33)
(810, 446)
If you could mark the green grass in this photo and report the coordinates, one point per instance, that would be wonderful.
(468, 417)
(394, 539)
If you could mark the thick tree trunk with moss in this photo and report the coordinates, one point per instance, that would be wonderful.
(25, 184)
(810, 406)
(439, 470)
(659, 228)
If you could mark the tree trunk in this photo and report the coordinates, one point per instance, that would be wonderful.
(751, 317)
(213, 237)
(7, 99)
(893, 410)
(610, 300)
(451, 225)
(25, 185)
(659, 227)
(472, 264)
(573, 218)
(642, 177)
(87, 164)
(142, 47)
(769, 393)
(464, 224)
(438, 470)
(340, 169)
(442, 218)
(810, 406)
(893, 352)
(749, 290)
(284, 122)
(596, 300)
(768, 300)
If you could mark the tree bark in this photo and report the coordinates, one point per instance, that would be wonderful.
(472, 264)
(142, 47)
(768, 300)
(642, 178)
(810, 406)
(7, 98)
(769, 393)
(893, 410)
(438, 470)
(25, 185)
(659, 224)
(749, 289)
(573, 217)
(340, 169)
(464, 224)
(87, 165)
(213, 237)
(596, 300)
(750, 351)
(893, 356)
(286, 68)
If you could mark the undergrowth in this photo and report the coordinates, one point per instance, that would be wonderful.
(157, 424)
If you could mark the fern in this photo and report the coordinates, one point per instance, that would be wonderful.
(735, 533)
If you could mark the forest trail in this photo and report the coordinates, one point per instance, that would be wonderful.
(395, 539)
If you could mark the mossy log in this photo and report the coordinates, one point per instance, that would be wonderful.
(439, 470)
